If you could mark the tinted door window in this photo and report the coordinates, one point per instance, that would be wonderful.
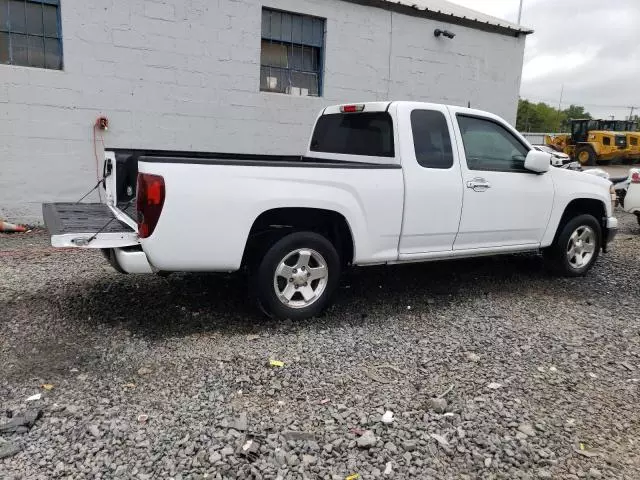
(489, 146)
(431, 139)
(369, 134)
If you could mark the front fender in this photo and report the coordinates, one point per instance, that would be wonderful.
(570, 186)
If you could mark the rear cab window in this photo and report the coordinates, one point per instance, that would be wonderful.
(368, 133)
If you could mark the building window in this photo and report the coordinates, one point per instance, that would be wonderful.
(30, 33)
(291, 56)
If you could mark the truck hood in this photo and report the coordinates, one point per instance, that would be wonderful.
(570, 176)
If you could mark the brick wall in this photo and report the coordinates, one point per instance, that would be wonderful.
(184, 75)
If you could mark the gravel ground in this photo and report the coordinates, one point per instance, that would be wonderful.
(492, 369)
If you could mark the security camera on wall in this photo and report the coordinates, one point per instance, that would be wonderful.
(446, 33)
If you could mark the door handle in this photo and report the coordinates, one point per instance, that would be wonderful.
(478, 184)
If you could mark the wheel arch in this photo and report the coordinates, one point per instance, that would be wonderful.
(273, 224)
(580, 206)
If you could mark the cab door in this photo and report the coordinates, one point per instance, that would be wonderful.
(505, 205)
(432, 177)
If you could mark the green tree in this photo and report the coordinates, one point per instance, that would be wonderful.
(576, 111)
(528, 117)
(543, 118)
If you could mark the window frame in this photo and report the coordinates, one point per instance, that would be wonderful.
(28, 36)
(449, 132)
(504, 128)
(319, 73)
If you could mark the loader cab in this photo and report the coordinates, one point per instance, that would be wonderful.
(580, 129)
(626, 126)
(617, 125)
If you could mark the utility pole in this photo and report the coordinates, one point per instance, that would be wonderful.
(520, 12)
(631, 113)
(559, 105)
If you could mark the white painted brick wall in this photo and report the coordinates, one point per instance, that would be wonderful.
(184, 74)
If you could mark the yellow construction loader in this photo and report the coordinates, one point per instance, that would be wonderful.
(588, 144)
(630, 130)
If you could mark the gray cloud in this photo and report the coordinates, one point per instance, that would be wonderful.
(589, 46)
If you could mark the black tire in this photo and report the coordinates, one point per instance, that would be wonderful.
(621, 196)
(638, 217)
(590, 156)
(557, 255)
(263, 277)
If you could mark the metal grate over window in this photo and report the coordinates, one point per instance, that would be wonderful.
(291, 57)
(30, 33)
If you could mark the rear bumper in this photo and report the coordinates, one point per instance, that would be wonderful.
(610, 232)
(128, 260)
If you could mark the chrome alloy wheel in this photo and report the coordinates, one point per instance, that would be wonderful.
(301, 278)
(581, 247)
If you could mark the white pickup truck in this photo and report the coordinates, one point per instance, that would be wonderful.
(380, 183)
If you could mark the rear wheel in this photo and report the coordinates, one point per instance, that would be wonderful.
(576, 248)
(297, 276)
(586, 156)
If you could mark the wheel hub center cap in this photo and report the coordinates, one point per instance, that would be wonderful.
(299, 278)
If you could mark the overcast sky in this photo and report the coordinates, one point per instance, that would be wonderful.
(590, 46)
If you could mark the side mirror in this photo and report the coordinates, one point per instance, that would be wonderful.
(538, 162)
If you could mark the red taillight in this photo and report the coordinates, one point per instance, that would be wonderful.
(351, 108)
(149, 202)
(635, 177)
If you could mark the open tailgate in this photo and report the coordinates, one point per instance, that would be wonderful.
(88, 225)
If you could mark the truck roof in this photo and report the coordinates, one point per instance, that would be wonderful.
(384, 106)
(363, 132)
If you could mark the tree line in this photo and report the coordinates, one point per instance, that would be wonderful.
(540, 117)
(543, 118)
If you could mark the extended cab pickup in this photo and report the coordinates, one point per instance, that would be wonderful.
(380, 183)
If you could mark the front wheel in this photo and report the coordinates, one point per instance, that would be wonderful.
(586, 156)
(297, 276)
(576, 248)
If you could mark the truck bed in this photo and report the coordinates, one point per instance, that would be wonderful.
(126, 164)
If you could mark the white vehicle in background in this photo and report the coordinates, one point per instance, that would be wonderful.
(380, 183)
(558, 159)
(628, 190)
